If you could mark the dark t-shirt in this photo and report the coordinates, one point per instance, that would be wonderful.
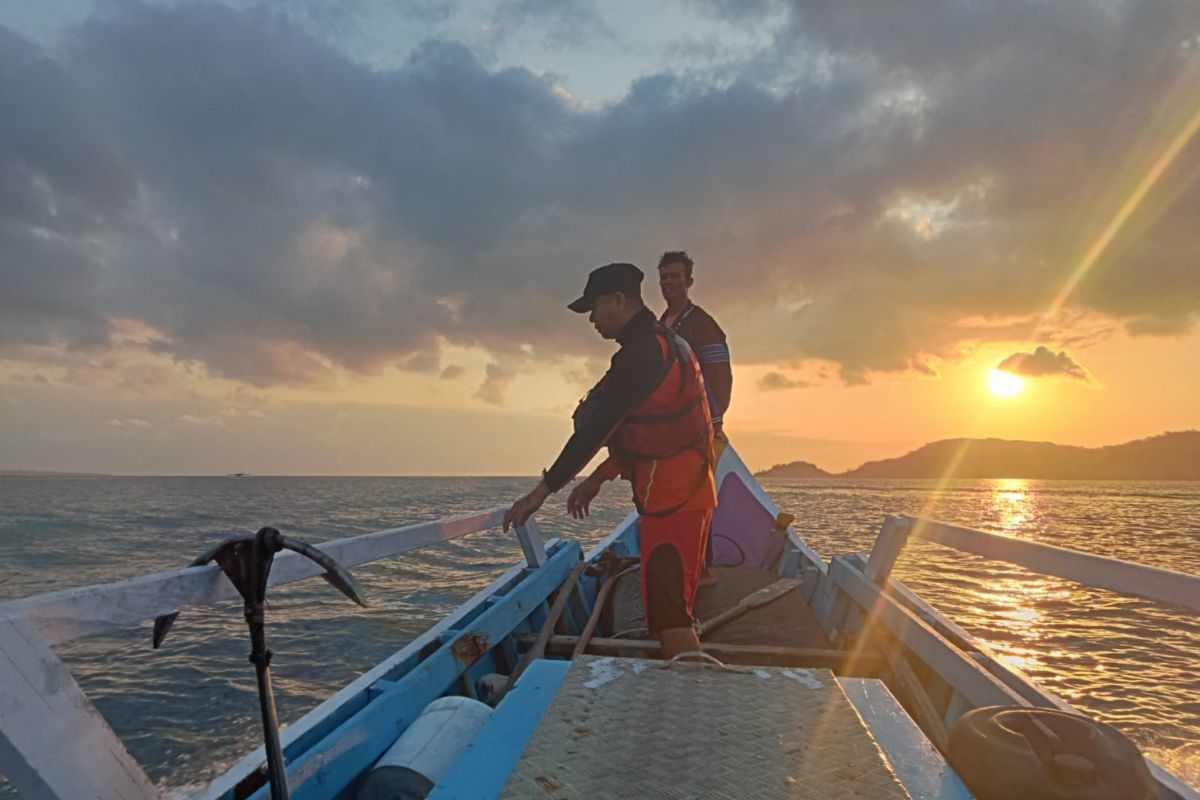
(707, 340)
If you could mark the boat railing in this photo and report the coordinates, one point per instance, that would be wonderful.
(858, 590)
(53, 741)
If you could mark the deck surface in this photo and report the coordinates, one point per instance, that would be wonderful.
(785, 622)
(629, 728)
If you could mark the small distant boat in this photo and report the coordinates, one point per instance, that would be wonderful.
(817, 679)
(238, 475)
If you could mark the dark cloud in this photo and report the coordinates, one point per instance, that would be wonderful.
(276, 209)
(61, 183)
(777, 381)
(452, 372)
(494, 389)
(1043, 361)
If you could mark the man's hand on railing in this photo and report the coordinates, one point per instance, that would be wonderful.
(524, 508)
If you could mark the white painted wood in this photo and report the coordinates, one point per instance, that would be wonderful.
(53, 742)
(888, 546)
(917, 764)
(1171, 787)
(976, 684)
(318, 716)
(1163, 585)
(72, 613)
(530, 536)
(1011, 677)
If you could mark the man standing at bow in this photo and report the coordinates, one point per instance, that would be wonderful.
(651, 411)
(707, 341)
(700, 330)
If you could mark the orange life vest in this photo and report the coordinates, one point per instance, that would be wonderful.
(674, 419)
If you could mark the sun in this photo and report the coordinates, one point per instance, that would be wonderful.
(1004, 384)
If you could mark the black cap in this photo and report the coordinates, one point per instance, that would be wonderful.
(624, 278)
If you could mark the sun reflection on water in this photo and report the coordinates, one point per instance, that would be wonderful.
(1014, 600)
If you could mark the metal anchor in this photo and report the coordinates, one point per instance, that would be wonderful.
(246, 560)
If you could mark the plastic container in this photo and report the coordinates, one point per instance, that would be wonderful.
(424, 754)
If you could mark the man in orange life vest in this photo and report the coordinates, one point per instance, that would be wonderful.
(651, 410)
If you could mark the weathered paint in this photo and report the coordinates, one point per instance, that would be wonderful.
(485, 765)
(330, 766)
(53, 742)
(352, 698)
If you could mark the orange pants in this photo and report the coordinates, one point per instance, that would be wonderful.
(672, 554)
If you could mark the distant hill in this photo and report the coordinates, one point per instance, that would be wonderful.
(794, 469)
(1170, 456)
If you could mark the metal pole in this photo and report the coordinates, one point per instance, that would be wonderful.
(260, 657)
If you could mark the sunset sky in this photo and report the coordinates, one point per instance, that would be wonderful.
(339, 238)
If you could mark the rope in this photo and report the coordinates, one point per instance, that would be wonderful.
(709, 659)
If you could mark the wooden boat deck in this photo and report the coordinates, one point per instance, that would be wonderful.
(784, 622)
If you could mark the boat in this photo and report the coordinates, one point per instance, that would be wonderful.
(816, 679)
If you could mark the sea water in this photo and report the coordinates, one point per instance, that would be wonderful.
(189, 710)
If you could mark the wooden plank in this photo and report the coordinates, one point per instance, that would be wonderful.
(70, 613)
(756, 599)
(594, 619)
(918, 766)
(483, 768)
(53, 742)
(539, 644)
(1163, 585)
(888, 546)
(530, 537)
(1011, 677)
(976, 684)
(352, 698)
(327, 768)
(1171, 787)
(927, 716)
(764, 655)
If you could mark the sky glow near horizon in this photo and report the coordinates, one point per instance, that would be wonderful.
(339, 238)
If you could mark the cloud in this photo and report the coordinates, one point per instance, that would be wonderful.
(562, 23)
(133, 424)
(494, 388)
(421, 362)
(1043, 361)
(451, 372)
(924, 367)
(850, 190)
(776, 381)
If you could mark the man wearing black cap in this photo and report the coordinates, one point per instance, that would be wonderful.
(651, 410)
